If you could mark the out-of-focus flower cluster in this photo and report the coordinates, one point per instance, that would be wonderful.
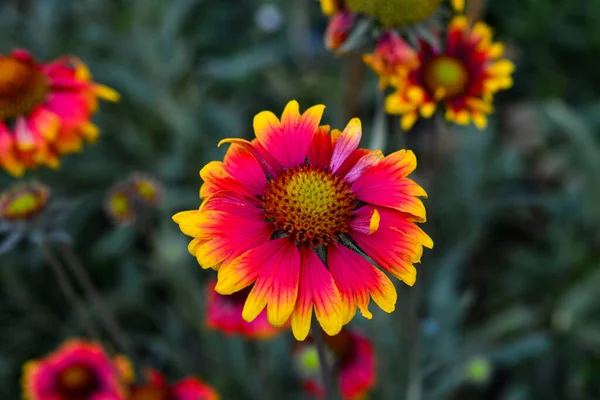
(456, 66)
(79, 369)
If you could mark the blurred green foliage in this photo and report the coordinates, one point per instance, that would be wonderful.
(514, 211)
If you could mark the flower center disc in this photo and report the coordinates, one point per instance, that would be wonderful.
(447, 74)
(23, 202)
(395, 13)
(309, 203)
(149, 393)
(22, 87)
(77, 381)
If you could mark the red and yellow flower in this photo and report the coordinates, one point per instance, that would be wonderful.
(23, 201)
(75, 371)
(292, 213)
(45, 110)
(225, 314)
(392, 60)
(354, 364)
(157, 388)
(388, 14)
(464, 76)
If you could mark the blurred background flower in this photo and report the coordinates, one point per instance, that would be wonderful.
(45, 110)
(76, 370)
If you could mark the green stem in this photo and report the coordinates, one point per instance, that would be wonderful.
(326, 372)
(112, 326)
(69, 291)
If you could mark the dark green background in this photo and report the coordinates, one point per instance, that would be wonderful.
(514, 211)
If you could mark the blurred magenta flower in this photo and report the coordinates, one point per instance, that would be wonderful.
(224, 313)
(294, 211)
(76, 370)
(45, 110)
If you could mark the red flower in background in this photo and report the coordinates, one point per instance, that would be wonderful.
(77, 370)
(224, 313)
(45, 110)
(157, 388)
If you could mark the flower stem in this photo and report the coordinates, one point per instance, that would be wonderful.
(112, 326)
(326, 372)
(69, 291)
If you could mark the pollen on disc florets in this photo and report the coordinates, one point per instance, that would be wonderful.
(77, 381)
(395, 13)
(310, 203)
(22, 87)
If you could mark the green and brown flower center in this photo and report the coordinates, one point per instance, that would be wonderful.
(446, 76)
(23, 201)
(22, 87)
(310, 203)
(395, 13)
(149, 392)
(77, 381)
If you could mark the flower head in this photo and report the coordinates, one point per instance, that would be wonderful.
(77, 370)
(463, 76)
(129, 199)
(225, 314)
(395, 13)
(384, 15)
(45, 110)
(23, 201)
(292, 214)
(353, 359)
(157, 388)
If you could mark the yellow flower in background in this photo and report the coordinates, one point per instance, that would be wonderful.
(463, 76)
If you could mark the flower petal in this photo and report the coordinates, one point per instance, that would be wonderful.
(316, 289)
(226, 226)
(321, 148)
(276, 285)
(289, 140)
(358, 281)
(245, 269)
(366, 220)
(392, 249)
(346, 144)
(385, 184)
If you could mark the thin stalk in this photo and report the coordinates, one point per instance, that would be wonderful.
(112, 326)
(326, 372)
(69, 291)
